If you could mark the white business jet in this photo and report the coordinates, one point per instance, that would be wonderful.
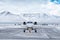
(29, 26)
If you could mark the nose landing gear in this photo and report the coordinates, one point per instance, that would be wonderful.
(30, 29)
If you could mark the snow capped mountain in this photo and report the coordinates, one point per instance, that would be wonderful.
(6, 16)
(42, 18)
(6, 13)
(39, 15)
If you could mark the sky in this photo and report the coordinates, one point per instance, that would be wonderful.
(51, 7)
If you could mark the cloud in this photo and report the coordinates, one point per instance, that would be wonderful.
(30, 7)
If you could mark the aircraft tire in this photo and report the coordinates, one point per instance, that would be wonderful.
(35, 31)
(24, 31)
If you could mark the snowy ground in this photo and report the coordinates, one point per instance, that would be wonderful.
(42, 34)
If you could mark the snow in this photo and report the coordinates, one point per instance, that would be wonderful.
(42, 13)
(8, 17)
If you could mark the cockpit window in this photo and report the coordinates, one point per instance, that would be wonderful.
(29, 22)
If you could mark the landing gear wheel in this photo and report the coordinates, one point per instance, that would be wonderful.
(24, 31)
(35, 31)
(15, 24)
